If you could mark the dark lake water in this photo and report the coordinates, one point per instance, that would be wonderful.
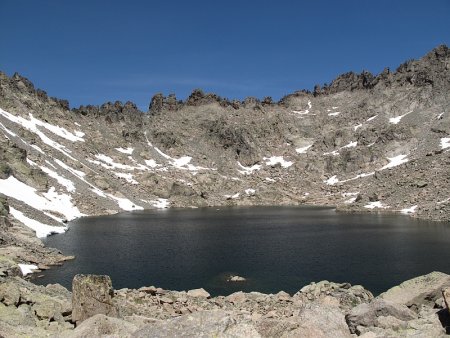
(276, 248)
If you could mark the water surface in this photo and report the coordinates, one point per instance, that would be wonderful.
(275, 248)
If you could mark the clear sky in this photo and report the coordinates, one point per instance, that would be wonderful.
(96, 51)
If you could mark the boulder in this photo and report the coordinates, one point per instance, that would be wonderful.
(314, 321)
(101, 326)
(9, 293)
(446, 295)
(214, 323)
(91, 295)
(368, 314)
(417, 291)
(237, 297)
(236, 279)
(199, 293)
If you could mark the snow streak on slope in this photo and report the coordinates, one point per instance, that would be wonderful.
(303, 150)
(50, 201)
(396, 120)
(128, 151)
(248, 170)
(395, 161)
(124, 203)
(42, 230)
(273, 160)
(32, 125)
(68, 184)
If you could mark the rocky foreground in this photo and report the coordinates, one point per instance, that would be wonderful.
(416, 308)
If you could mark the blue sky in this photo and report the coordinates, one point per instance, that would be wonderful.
(90, 52)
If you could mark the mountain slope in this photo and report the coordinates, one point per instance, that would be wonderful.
(362, 143)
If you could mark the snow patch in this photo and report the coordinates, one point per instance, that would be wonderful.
(371, 118)
(250, 191)
(74, 172)
(152, 163)
(107, 162)
(27, 268)
(128, 151)
(445, 142)
(128, 177)
(396, 120)
(232, 196)
(332, 180)
(336, 152)
(7, 130)
(395, 161)
(350, 145)
(377, 204)
(277, 159)
(248, 170)
(66, 183)
(50, 201)
(350, 200)
(33, 123)
(124, 203)
(410, 210)
(161, 203)
(440, 116)
(336, 113)
(303, 150)
(355, 128)
(42, 230)
(303, 112)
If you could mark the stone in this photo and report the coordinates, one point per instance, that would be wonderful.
(91, 295)
(166, 300)
(214, 323)
(202, 293)
(283, 296)
(367, 314)
(148, 289)
(236, 297)
(420, 290)
(100, 325)
(446, 296)
(9, 293)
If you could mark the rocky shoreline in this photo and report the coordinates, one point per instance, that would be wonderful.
(415, 308)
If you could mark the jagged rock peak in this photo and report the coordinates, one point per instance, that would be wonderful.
(197, 98)
(22, 85)
(116, 109)
(431, 69)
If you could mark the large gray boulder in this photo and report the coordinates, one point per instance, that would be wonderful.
(91, 295)
(425, 290)
(215, 323)
(101, 326)
(375, 313)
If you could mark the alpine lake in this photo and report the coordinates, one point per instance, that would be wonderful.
(274, 248)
